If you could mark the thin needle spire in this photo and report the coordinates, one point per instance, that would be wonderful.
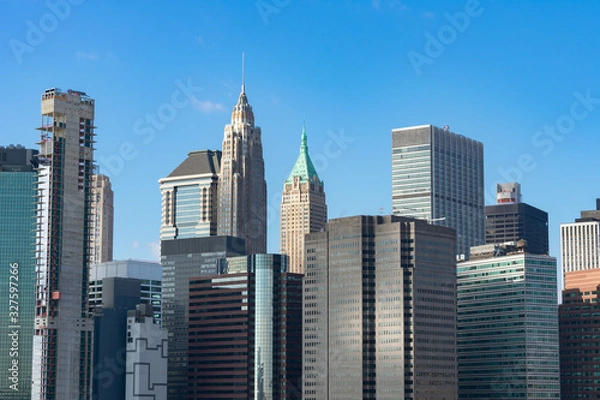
(243, 77)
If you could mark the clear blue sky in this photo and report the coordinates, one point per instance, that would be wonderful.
(498, 72)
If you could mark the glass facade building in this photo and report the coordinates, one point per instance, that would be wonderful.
(507, 326)
(182, 259)
(17, 270)
(379, 310)
(437, 175)
(245, 330)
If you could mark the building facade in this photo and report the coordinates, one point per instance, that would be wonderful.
(62, 345)
(242, 208)
(103, 217)
(18, 179)
(510, 220)
(245, 331)
(303, 207)
(507, 325)
(379, 310)
(580, 242)
(190, 197)
(579, 324)
(437, 175)
(182, 259)
(119, 296)
(147, 353)
(148, 273)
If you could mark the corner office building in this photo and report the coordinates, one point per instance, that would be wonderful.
(507, 325)
(380, 310)
(245, 339)
(62, 347)
(510, 220)
(437, 175)
(18, 179)
(181, 260)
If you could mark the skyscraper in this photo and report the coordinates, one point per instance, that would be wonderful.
(379, 310)
(437, 175)
(507, 325)
(242, 187)
(190, 197)
(181, 260)
(63, 329)
(580, 242)
(17, 269)
(511, 220)
(245, 339)
(303, 207)
(103, 216)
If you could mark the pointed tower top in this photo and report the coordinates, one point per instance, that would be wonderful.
(243, 77)
(304, 168)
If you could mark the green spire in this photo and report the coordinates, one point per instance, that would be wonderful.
(304, 167)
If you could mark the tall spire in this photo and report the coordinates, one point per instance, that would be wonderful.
(243, 77)
(304, 168)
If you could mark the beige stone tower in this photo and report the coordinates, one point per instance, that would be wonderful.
(103, 216)
(303, 207)
(242, 187)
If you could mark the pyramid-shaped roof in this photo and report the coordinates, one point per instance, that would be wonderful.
(304, 167)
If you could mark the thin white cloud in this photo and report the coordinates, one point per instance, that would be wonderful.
(206, 106)
(135, 244)
(92, 56)
(154, 249)
(200, 39)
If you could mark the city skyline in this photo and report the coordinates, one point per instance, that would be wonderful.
(298, 57)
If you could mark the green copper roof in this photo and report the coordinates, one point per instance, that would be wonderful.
(304, 167)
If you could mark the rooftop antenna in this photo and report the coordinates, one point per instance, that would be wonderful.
(243, 77)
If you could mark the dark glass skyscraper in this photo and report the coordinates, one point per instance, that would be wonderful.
(17, 270)
(379, 310)
(510, 220)
(245, 339)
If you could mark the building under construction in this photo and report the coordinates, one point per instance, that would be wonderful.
(63, 330)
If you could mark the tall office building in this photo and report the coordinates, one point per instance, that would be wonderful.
(580, 242)
(148, 273)
(62, 344)
(303, 207)
(242, 186)
(245, 339)
(182, 259)
(437, 175)
(190, 197)
(103, 216)
(507, 325)
(380, 310)
(17, 269)
(579, 324)
(510, 220)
